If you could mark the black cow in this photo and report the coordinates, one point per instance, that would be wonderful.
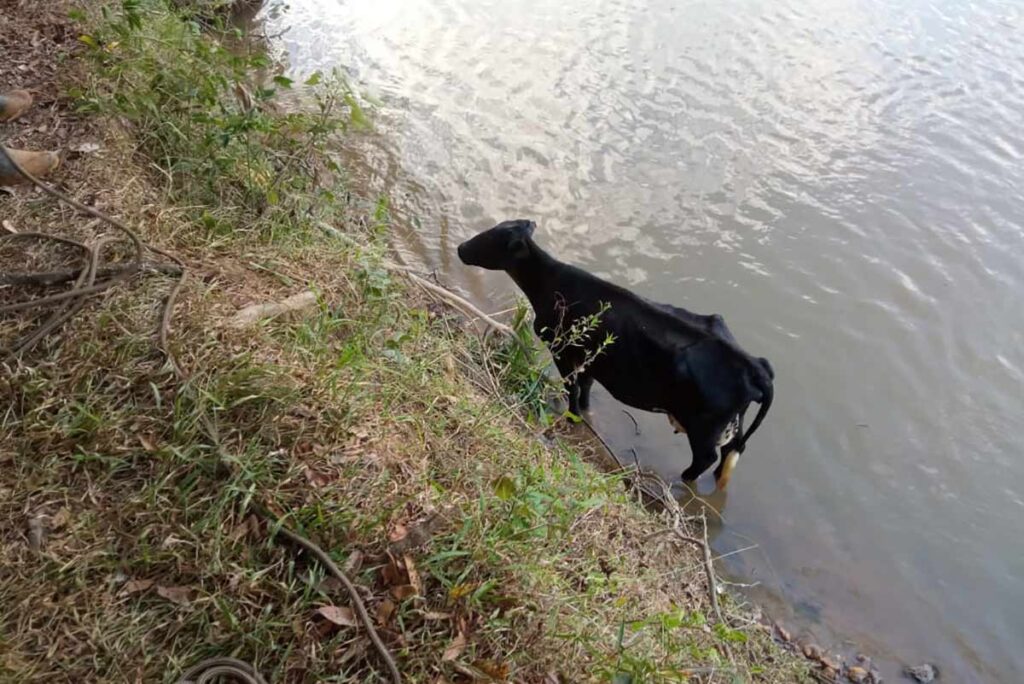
(662, 358)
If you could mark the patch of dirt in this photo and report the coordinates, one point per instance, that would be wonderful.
(36, 39)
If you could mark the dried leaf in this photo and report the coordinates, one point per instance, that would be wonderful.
(135, 586)
(317, 480)
(355, 651)
(392, 574)
(455, 649)
(85, 148)
(492, 669)
(420, 533)
(59, 519)
(384, 612)
(398, 532)
(437, 616)
(35, 532)
(8, 226)
(330, 584)
(414, 576)
(353, 563)
(339, 615)
(403, 591)
(147, 443)
(180, 595)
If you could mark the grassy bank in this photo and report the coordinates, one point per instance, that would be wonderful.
(375, 422)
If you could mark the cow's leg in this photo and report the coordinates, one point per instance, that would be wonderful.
(572, 384)
(730, 454)
(703, 443)
(583, 383)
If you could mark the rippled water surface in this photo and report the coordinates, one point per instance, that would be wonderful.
(842, 180)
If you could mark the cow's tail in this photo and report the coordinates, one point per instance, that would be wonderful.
(762, 378)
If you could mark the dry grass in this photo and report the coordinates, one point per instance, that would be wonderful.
(372, 424)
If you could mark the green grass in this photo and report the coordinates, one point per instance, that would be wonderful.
(374, 419)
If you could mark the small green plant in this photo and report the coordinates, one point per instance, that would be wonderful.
(578, 335)
(524, 367)
(521, 366)
(223, 140)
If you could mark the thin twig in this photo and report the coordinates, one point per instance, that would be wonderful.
(49, 278)
(62, 314)
(458, 302)
(455, 300)
(636, 426)
(709, 568)
(357, 601)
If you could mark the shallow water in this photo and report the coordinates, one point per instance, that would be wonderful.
(842, 180)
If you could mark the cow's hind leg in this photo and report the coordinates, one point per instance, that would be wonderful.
(730, 451)
(703, 444)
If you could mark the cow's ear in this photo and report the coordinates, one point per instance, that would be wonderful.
(518, 248)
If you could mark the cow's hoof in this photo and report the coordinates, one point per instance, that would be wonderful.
(35, 163)
(13, 104)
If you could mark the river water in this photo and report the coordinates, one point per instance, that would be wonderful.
(841, 179)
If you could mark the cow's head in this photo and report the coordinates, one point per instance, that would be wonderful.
(499, 248)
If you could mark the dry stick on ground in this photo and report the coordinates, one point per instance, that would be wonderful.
(457, 301)
(357, 601)
(640, 472)
(46, 278)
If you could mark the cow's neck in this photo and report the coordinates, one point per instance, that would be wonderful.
(535, 276)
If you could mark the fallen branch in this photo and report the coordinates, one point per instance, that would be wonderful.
(709, 568)
(257, 312)
(709, 572)
(456, 301)
(66, 311)
(671, 505)
(49, 278)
